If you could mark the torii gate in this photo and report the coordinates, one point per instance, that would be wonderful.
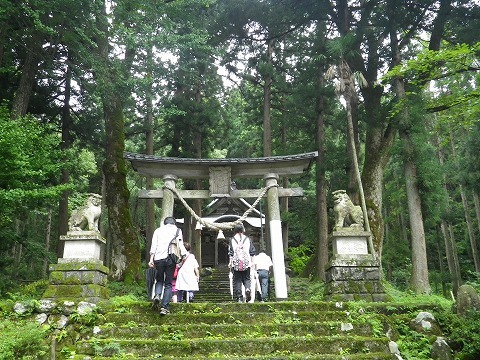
(220, 173)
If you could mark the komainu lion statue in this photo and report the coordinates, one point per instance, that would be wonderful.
(346, 214)
(86, 217)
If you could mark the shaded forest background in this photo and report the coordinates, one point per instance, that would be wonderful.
(390, 85)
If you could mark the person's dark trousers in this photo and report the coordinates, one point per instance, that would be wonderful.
(263, 279)
(164, 279)
(239, 278)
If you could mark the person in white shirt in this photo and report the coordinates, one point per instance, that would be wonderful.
(159, 259)
(263, 263)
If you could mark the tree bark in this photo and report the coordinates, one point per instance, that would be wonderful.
(125, 246)
(24, 90)
(476, 201)
(321, 186)
(468, 220)
(125, 257)
(149, 203)
(471, 234)
(419, 277)
(47, 243)
(267, 103)
(452, 260)
(64, 146)
(347, 79)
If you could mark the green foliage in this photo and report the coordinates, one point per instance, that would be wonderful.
(111, 349)
(415, 346)
(33, 290)
(124, 302)
(29, 161)
(22, 339)
(432, 64)
(30, 165)
(299, 257)
(407, 297)
(462, 333)
(126, 292)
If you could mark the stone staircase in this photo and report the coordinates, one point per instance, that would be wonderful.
(214, 286)
(228, 330)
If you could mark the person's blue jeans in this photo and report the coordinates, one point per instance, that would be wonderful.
(263, 279)
(165, 270)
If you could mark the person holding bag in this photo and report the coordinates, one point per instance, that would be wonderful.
(160, 260)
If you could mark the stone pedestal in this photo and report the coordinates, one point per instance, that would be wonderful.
(352, 273)
(80, 274)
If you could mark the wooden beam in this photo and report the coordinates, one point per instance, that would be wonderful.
(205, 194)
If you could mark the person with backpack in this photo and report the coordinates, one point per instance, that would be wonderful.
(161, 260)
(240, 252)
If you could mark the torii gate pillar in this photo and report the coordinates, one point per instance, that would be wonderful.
(276, 240)
(168, 200)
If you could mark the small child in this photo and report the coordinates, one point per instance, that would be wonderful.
(188, 276)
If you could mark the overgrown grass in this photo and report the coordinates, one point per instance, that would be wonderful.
(22, 339)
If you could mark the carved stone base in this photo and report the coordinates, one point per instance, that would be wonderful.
(80, 274)
(353, 276)
(77, 281)
(82, 245)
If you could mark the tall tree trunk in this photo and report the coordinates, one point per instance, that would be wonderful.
(196, 241)
(267, 103)
(24, 90)
(347, 79)
(441, 266)
(450, 246)
(125, 257)
(284, 200)
(451, 236)
(47, 243)
(149, 203)
(476, 202)
(125, 246)
(321, 186)
(353, 147)
(64, 146)
(419, 277)
(452, 259)
(471, 234)
(468, 220)
(267, 123)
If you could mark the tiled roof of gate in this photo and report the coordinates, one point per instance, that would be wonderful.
(157, 166)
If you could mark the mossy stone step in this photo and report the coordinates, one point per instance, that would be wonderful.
(275, 356)
(274, 331)
(223, 331)
(229, 306)
(334, 345)
(242, 316)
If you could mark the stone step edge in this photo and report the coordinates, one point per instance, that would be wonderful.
(261, 347)
(302, 356)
